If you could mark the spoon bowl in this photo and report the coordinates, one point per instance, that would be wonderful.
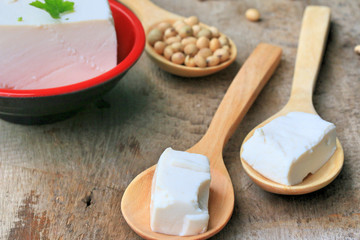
(150, 16)
(135, 204)
(137, 209)
(312, 40)
(325, 175)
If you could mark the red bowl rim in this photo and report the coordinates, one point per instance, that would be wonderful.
(124, 65)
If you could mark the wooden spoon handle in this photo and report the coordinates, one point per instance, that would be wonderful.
(148, 12)
(244, 89)
(314, 31)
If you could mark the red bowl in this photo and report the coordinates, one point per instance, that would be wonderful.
(53, 104)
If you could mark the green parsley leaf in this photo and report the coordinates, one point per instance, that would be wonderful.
(20, 19)
(54, 7)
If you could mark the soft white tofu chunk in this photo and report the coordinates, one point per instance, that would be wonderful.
(290, 147)
(180, 194)
(38, 51)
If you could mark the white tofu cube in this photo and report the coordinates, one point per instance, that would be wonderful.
(180, 194)
(290, 147)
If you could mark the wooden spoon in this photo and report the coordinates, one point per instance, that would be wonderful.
(150, 15)
(312, 40)
(256, 71)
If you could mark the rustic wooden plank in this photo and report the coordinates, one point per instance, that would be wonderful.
(65, 180)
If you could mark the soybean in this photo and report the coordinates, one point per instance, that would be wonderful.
(214, 44)
(205, 52)
(212, 61)
(200, 61)
(222, 54)
(192, 20)
(178, 58)
(204, 33)
(168, 52)
(357, 49)
(185, 31)
(252, 14)
(202, 42)
(189, 61)
(187, 42)
(191, 49)
(154, 36)
(159, 47)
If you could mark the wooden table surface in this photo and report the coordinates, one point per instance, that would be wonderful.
(65, 180)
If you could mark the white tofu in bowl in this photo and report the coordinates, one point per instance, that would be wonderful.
(38, 51)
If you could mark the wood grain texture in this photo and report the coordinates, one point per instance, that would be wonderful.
(65, 180)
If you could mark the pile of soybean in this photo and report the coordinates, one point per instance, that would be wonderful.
(186, 42)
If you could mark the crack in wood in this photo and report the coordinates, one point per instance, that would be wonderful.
(88, 199)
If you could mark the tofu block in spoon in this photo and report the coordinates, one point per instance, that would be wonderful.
(38, 51)
(180, 194)
(290, 147)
